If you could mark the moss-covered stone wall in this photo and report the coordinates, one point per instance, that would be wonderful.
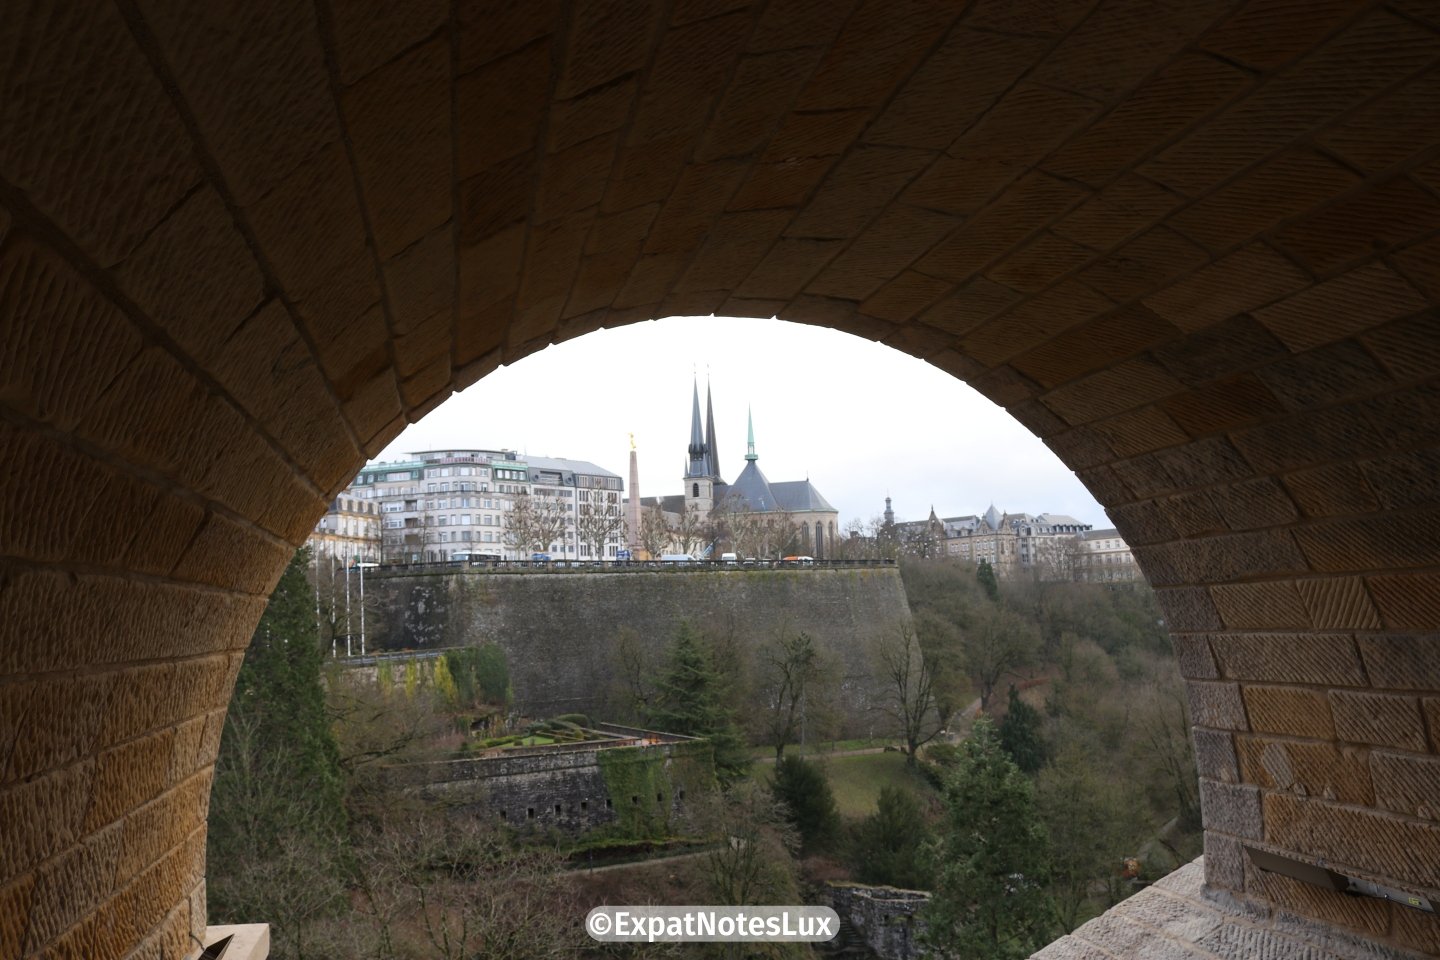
(567, 635)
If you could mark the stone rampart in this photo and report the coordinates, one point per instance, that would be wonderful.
(567, 637)
(642, 788)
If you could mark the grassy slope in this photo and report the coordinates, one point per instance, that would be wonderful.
(857, 780)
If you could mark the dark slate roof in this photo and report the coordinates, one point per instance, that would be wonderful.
(674, 503)
(753, 489)
(799, 495)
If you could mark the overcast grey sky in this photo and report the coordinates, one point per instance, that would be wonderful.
(859, 419)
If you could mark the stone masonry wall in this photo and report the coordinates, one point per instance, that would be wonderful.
(1193, 246)
(560, 631)
(570, 788)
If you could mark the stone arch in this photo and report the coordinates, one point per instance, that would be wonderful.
(1192, 246)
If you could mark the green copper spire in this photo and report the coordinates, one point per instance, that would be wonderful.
(750, 453)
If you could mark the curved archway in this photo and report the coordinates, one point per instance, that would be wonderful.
(1192, 246)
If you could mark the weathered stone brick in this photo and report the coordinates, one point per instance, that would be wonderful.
(1217, 705)
(1223, 405)
(72, 885)
(1319, 658)
(1282, 187)
(1338, 603)
(1351, 303)
(1306, 769)
(762, 90)
(1295, 711)
(1407, 784)
(1407, 601)
(1430, 706)
(1355, 228)
(1232, 809)
(46, 309)
(1405, 480)
(1215, 755)
(1379, 844)
(398, 118)
(1382, 719)
(1189, 609)
(1090, 346)
(1193, 514)
(1332, 490)
(889, 244)
(1129, 384)
(1192, 652)
(129, 161)
(1309, 900)
(877, 47)
(1417, 930)
(41, 817)
(905, 297)
(15, 899)
(1272, 605)
(1403, 661)
(254, 79)
(1224, 862)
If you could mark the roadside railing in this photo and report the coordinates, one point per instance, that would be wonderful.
(613, 566)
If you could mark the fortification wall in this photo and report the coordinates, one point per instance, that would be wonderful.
(562, 632)
(641, 790)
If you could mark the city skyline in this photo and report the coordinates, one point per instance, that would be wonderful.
(823, 403)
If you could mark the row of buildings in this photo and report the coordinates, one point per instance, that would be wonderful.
(440, 504)
(1052, 546)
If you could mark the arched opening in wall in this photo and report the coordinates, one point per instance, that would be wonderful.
(584, 453)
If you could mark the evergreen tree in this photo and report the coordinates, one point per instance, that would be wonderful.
(690, 699)
(802, 787)
(889, 844)
(276, 846)
(990, 901)
(986, 575)
(1021, 736)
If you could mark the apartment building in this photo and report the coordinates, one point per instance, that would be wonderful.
(437, 504)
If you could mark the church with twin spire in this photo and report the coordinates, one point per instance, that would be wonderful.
(752, 496)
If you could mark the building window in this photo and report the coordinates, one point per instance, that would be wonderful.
(695, 490)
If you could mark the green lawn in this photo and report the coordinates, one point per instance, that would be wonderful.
(857, 780)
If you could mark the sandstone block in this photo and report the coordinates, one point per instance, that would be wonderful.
(1193, 652)
(1215, 755)
(1306, 769)
(1319, 658)
(1381, 719)
(1407, 784)
(1295, 711)
(1338, 603)
(1406, 601)
(1232, 809)
(398, 118)
(1217, 705)
(1381, 845)
(1266, 606)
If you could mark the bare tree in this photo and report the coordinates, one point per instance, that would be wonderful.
(908, 679)
(655, 532)
(792, 667)
(600, 521)
(534, 522)
(450, 888)
(776, 534)
(998, 642)
(692, 531)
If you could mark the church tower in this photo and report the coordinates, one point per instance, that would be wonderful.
(700, 474)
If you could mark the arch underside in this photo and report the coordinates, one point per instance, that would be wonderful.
(1192, 245)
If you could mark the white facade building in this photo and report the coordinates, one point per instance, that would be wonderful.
(442, 503)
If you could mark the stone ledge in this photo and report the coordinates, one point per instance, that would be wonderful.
(1178, 919)
(252, 940)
